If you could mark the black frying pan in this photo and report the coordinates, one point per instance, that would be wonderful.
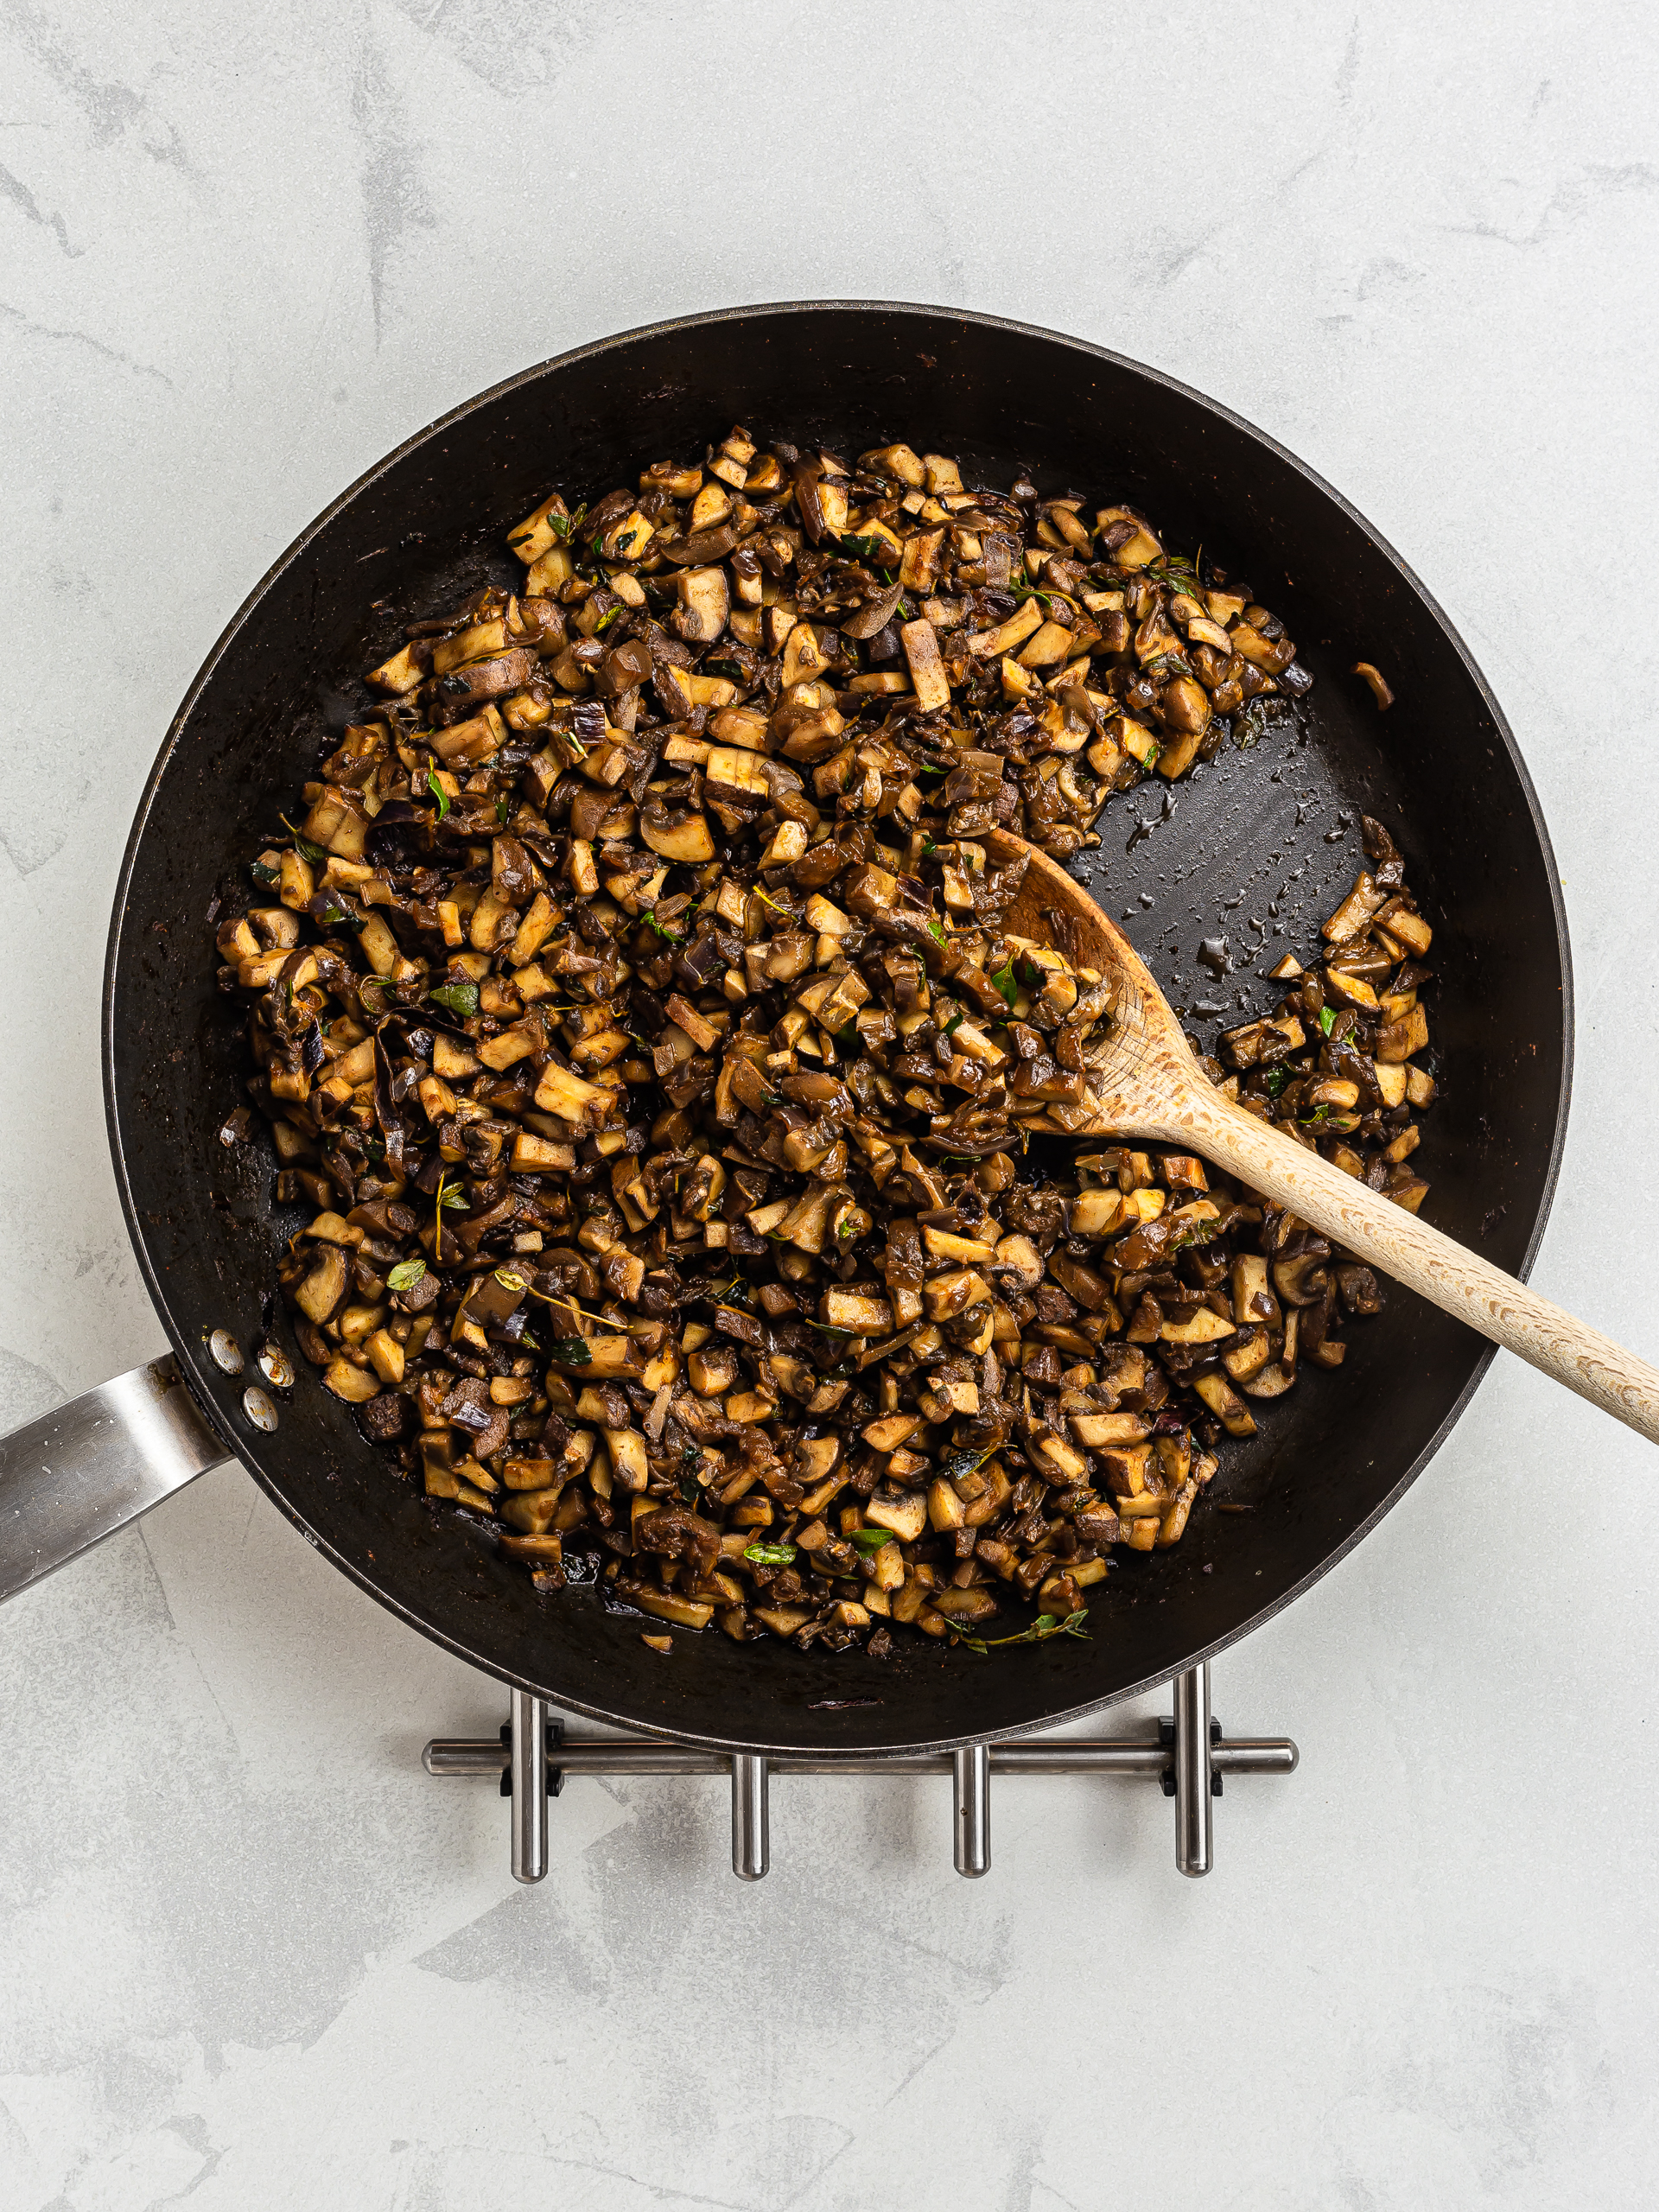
(1258, 845)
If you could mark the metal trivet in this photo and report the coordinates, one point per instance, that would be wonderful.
(533, 1759)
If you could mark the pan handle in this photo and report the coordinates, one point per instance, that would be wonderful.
(71, 1479)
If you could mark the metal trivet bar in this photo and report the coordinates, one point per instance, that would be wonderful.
(533, 1759)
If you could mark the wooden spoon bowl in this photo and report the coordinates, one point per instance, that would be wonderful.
(1152, 1086)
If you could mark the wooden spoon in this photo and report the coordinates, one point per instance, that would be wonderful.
(1152, 1086)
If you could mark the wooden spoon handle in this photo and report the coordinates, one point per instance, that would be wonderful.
(1341, 1207)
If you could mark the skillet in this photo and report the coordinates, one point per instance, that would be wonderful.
(1256, 847)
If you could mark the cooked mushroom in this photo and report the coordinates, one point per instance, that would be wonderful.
(681, 1130)
(1377, 682)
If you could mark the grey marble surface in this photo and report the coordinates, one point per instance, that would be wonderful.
(251, 1956)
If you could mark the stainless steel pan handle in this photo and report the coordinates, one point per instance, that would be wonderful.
(78, 1475)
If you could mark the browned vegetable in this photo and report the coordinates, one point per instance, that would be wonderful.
(682, 1135)
(1377, 682)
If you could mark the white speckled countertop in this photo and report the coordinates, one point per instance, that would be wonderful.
(251, 1955)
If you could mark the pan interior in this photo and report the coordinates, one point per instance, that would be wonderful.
(1256, 847)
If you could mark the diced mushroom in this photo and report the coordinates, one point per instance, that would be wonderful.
(926, 667)
(638, 1019)
(705, 605)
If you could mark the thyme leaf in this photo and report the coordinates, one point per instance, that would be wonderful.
(1042, 1628)
(302, 846)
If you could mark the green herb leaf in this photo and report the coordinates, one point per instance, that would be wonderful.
(457, 1201)
(954, 1023)
(1180, 575)
(1276, 1081)
(437, 790)
(871, 1540)
(1327, 1020)
(406, 1274)
(1197, 1232)
(937, 933)
(771, 1555)
(650, 919)
(261, 873)
(608, 618)
(965, 1463)
(503, 809)
(459, 999)
(1251, 726)
(570, 1352)
(509, 1278)
(302, 846)
(1003, 979)
(928, 845)
(859, 549)
(1042, 1628)
(444, 1198)
(335, 914)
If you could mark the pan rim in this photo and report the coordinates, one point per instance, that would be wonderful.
(183, 1339)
